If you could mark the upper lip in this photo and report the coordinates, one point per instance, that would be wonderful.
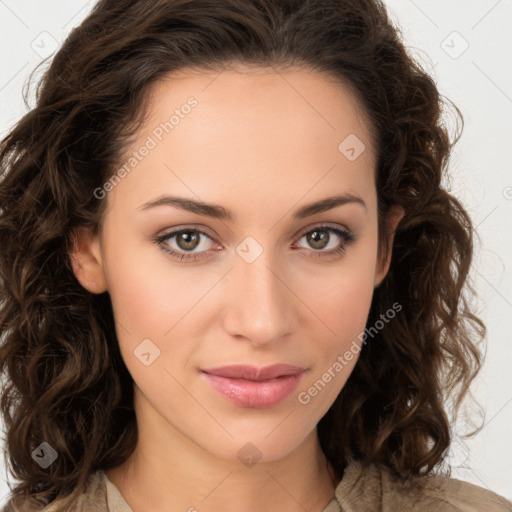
(242, 371)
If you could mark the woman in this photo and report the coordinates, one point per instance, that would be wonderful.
(230, 276)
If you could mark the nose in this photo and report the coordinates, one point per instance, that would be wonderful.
(260, 301)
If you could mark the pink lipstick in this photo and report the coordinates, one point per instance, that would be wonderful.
(257, 388)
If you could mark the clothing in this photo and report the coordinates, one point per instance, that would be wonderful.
(370, 489)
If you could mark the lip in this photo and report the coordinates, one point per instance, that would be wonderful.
(257, 388)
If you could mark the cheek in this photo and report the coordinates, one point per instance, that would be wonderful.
(350, 302)
(138, 298)
(342, 301)
(154, 300)
(144, 300)
(146, 292)
(344, 311)
(341, 294)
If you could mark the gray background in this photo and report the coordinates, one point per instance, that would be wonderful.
(465, 44)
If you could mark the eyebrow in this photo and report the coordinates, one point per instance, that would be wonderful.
(219, 212)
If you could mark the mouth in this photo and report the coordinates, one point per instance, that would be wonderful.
(252, 387)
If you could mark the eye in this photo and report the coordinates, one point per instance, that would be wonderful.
(321, 237)
(181, 244)
(192, 244)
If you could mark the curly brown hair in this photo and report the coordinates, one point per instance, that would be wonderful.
(65, 381)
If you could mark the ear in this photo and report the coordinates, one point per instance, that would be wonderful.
(394, 216)
(86, 260)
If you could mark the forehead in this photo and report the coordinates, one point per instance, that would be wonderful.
(300, 95)
(253, 131)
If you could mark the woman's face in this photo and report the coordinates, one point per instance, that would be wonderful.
(262, 278)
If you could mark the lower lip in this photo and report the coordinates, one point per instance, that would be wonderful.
(254, 394)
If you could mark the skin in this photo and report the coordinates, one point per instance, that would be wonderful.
(260, 143)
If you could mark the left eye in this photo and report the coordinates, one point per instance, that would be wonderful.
(320, 237)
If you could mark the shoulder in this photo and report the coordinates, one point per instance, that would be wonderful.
(92, 499)
(377, 489)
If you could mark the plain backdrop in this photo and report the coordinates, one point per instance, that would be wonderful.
(466, 46)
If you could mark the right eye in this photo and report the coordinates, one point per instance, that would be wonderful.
(181, 244)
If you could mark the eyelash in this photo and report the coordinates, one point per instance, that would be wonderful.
(346, 235)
